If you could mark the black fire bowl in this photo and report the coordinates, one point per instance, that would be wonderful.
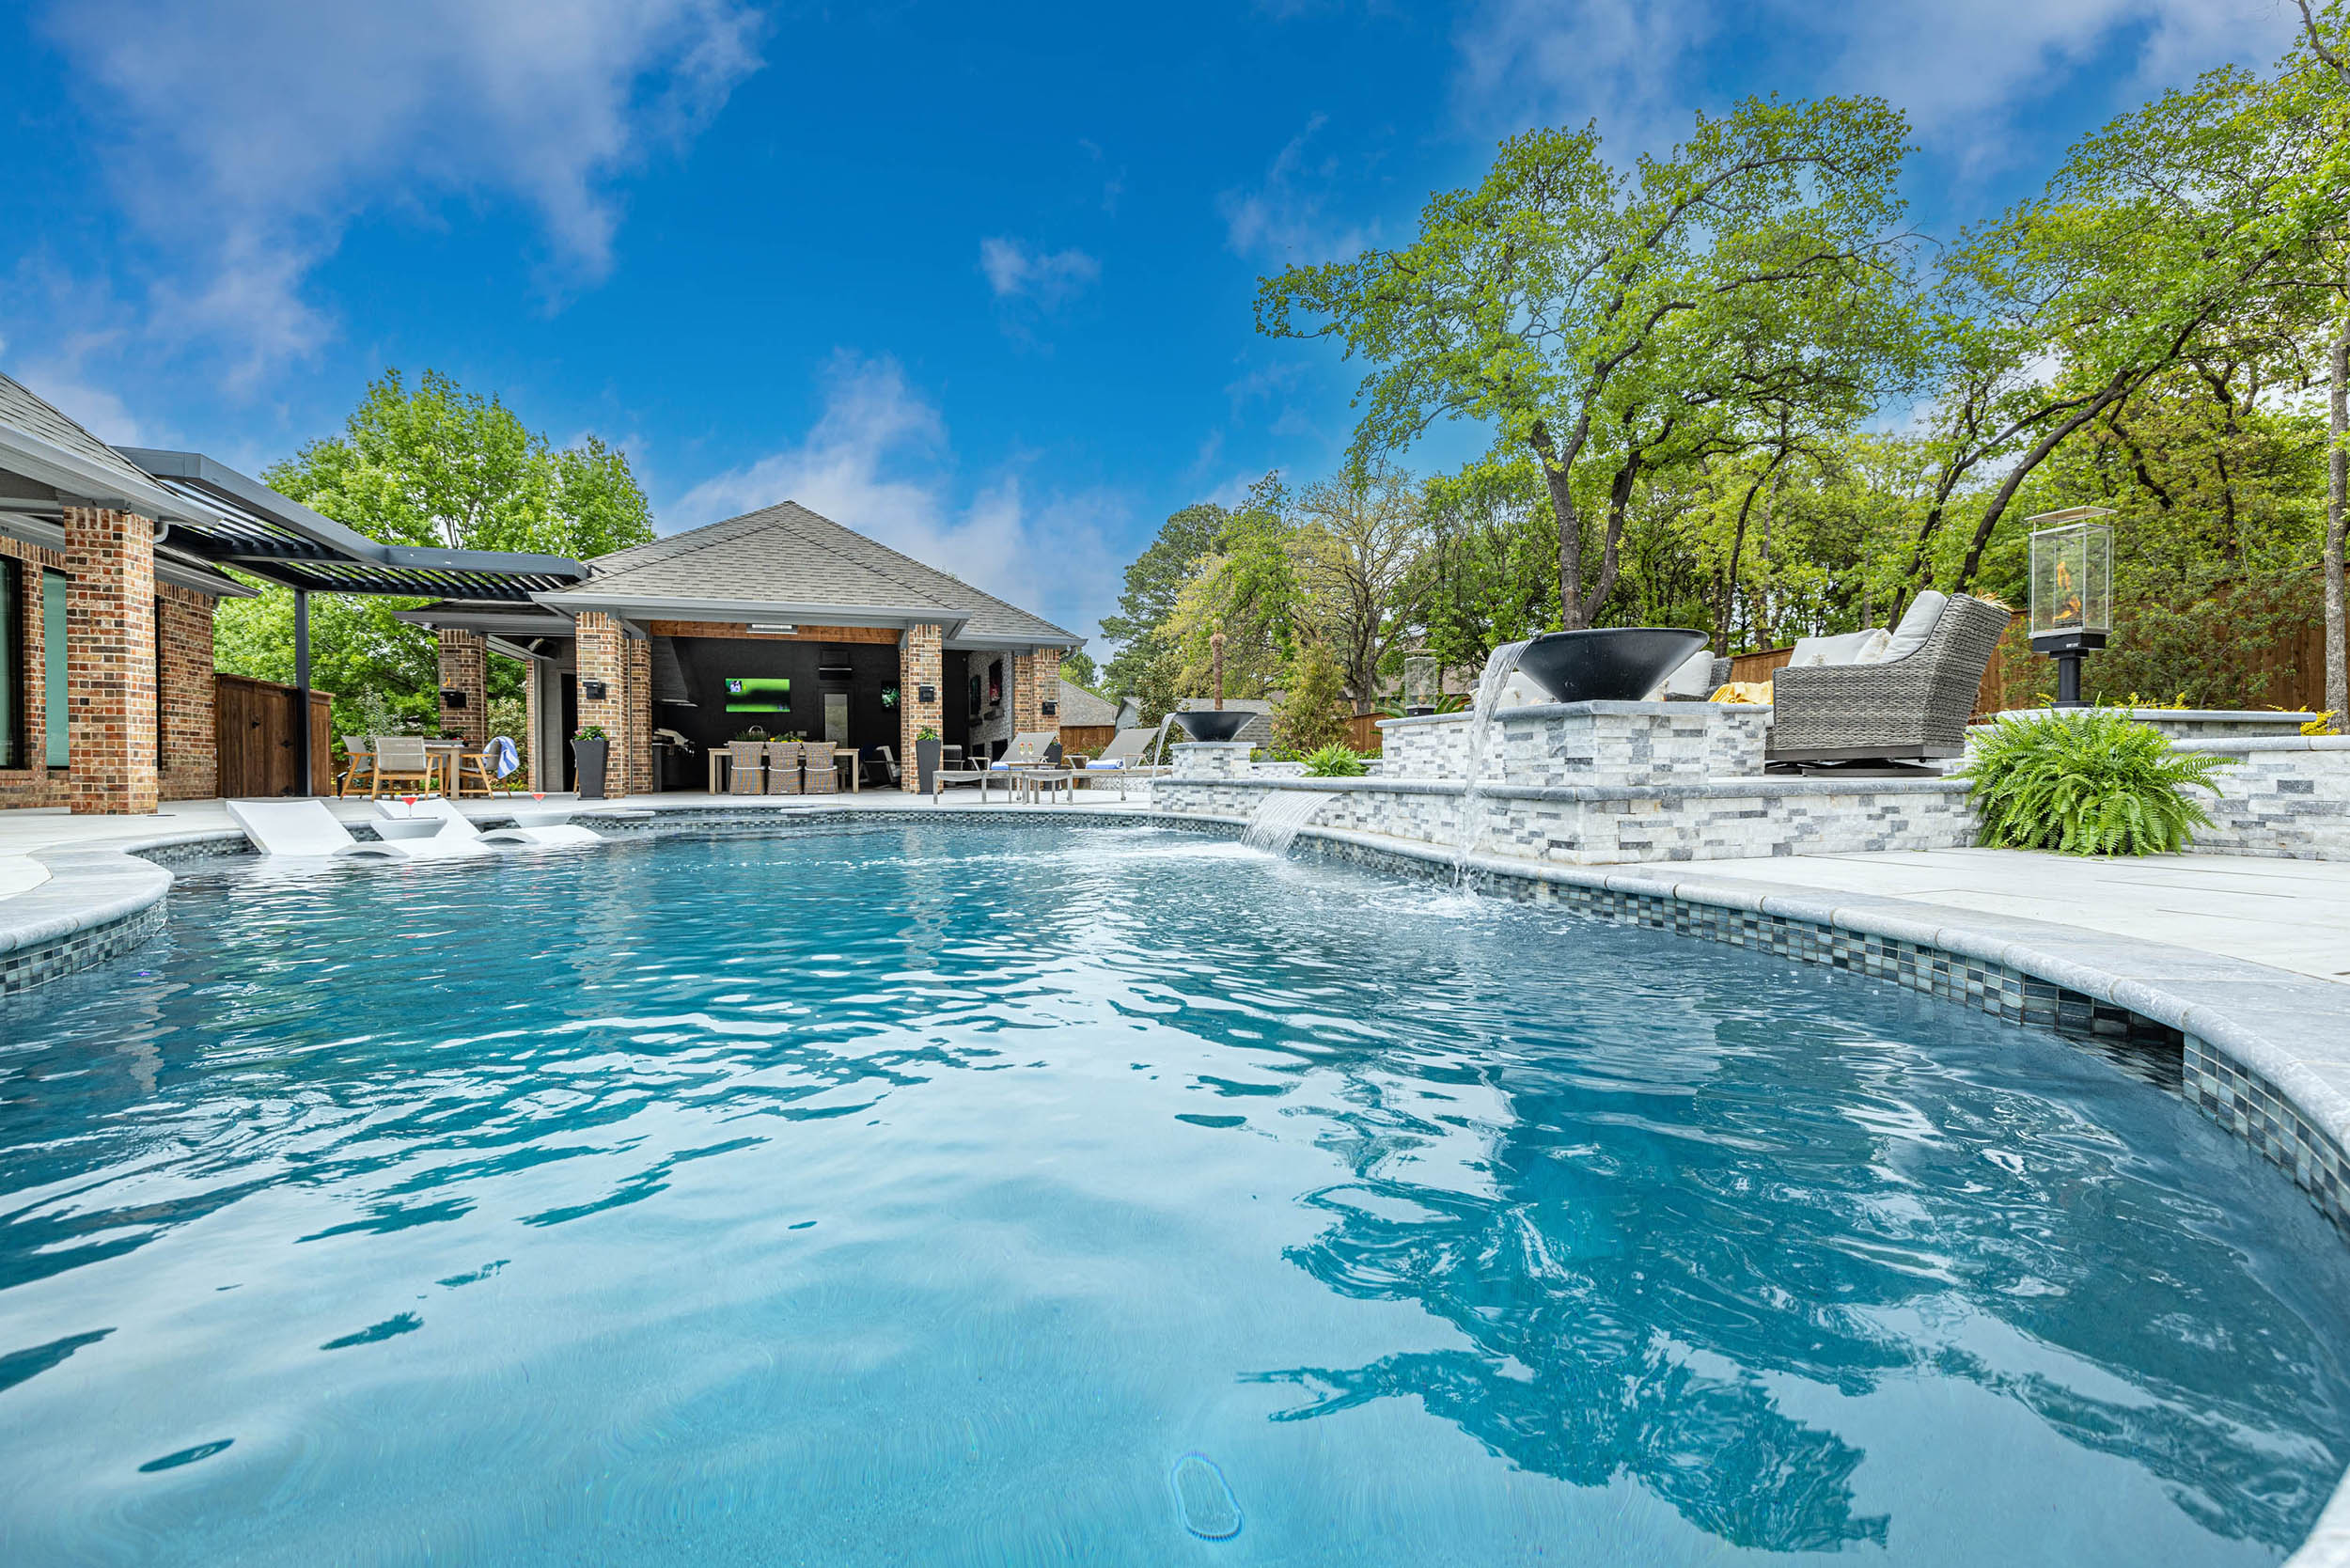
(1214, 724)
(1610, 663)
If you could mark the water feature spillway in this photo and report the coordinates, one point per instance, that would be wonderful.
(1500, 665)
(1281, 816)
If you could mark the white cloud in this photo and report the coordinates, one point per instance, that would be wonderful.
(244, 134)
(1957, 71)
(878, 461)
(1016, 270)
(1287, 216)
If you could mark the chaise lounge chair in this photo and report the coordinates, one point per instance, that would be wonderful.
(1121, 763)
(306, 828)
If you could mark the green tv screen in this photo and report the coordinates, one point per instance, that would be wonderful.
(759, 694)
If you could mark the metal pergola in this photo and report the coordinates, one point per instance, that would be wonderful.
(233, 521)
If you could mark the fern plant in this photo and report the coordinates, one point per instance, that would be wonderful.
(1334, 762)
(2090, 781)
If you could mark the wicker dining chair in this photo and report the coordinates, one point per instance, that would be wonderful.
(822, 777)
(744, 760)
(1913, 708)
(783, 767)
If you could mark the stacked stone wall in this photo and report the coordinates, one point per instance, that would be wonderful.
(2286, 796)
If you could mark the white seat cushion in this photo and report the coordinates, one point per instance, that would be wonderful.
(1918, 623)
(1853, 648)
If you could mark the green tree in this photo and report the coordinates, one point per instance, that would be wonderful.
(1142, 667)
(1358, 535)
(1607, 325)
(1077, 665)
(1312, 711)
(435, 467)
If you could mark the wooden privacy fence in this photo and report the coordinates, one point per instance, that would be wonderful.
(1362, 731)
(1086, 739)
(254, 723)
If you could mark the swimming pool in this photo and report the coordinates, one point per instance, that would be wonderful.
(986, 1193)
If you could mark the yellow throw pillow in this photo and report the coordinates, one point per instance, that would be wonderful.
(1755, 692)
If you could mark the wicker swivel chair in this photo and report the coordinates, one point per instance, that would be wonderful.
(1909, 709)
(783, 767)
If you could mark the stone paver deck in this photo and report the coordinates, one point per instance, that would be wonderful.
(2287, 914)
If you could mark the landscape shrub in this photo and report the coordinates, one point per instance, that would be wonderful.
(2087, 782)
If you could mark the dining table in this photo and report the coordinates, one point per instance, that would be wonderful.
(722, 766)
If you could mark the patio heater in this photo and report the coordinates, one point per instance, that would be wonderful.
(2072, 591)
(1420, 678)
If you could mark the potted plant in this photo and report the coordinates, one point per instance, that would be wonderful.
(926, 760)
(587, 753)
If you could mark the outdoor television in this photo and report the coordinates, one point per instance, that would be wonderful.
(759, 694)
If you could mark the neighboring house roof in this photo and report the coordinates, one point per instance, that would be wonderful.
(1083, 708)
(803, 564)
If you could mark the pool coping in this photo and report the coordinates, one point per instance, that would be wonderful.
(2266, 1052)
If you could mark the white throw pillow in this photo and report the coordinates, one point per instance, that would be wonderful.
(1918, 623)
(1812, 652)
(1692, 677)
(1872, 650)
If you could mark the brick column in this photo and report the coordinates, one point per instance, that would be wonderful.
(601, 657)
(466, 667)
(1035, 678)
(110, 660)
(187, 751)
(638, 663)
(921, 662)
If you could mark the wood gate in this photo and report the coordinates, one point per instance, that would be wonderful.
(254, 721)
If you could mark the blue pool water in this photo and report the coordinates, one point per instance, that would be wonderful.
(998, 1194)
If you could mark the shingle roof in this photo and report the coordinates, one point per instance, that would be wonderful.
(788, 554)
(1083, 708)
(21, 410)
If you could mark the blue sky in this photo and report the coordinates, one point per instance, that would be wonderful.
(976, 280)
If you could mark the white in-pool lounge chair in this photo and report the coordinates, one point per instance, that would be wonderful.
(457, 827)
(307, 828)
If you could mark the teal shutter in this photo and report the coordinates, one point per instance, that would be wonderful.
(52, 658)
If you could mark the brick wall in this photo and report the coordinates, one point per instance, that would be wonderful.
(921, 662)
(1035, 676)
(637, 659)
(188, 741)
(464, 666)
(602, 658)
(33, 784)
(110, 667)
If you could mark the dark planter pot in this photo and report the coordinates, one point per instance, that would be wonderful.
(1214, 724)
(926, 765)
(1610, 663)
(588, 759)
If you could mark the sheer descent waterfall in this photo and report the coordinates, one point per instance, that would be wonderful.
(1500, 665)
(1273, 826)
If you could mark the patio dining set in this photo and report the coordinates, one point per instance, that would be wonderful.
(416, 764)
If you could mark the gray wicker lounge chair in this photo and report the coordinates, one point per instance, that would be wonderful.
(1909, 709)
(821, 773)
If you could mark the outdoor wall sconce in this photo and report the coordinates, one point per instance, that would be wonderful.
(452, 697)
(1050, 709)
(2072, 591)
(593, 691)
(926, 694)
